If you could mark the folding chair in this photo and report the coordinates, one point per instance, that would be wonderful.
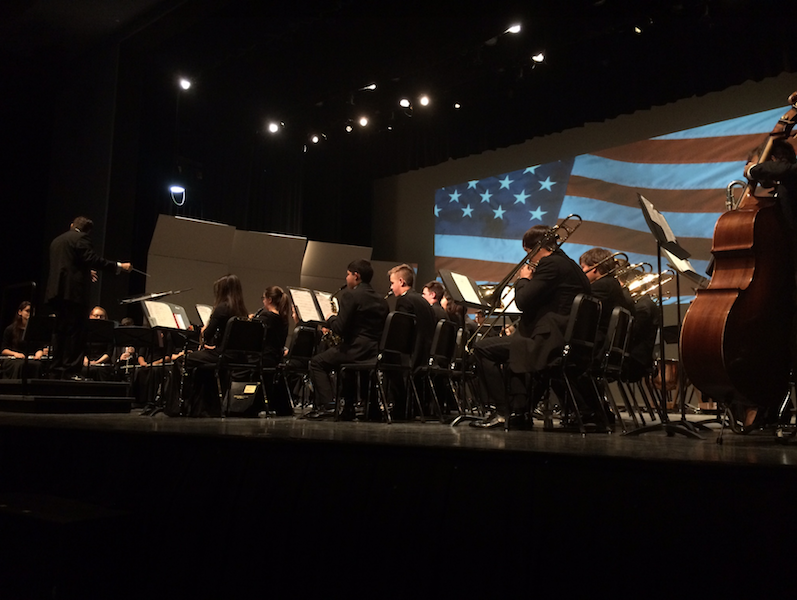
(612, 358)
(301, 350)
(241, 349)
(441, 356)
(395, 355)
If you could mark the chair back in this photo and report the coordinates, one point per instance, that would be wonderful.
(581, 331)
(242, 337)
(444, 344)
(398, 337)
(617, 338)
(303, 344)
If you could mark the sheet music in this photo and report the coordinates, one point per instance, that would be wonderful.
(204, 311)
(508, 302)
(305, 304)
(325, 302)
(659, 219)
(685, 268)
(160, 315)
(469, 294)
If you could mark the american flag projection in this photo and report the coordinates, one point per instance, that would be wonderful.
(479, 223)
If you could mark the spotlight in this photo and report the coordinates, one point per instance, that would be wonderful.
(404, 103)
(370, 88)
(315, 139)
(273, 127)
(424, 100)
(185, 83)
(457, 105)
(539, 57)
(349, 128)
(637, 30)
(177, 192)
(363, 121)
(514, 28)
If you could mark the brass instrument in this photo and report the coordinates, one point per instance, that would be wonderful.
(731, 200)
(648, 282)
(617, 266)
(558, 234)
(332, 339)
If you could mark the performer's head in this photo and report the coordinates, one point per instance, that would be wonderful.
(536, 235)
(275, 297)
(433, 292)
(82, 224)
(98, 312)
(227, 290)
(596, 262)
(781, 151)
(359, 271)
(402, 278)
(23, 315)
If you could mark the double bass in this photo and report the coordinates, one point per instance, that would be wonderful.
(735, 336)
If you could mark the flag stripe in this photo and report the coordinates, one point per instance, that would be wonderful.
(762, 122)
(715, 149)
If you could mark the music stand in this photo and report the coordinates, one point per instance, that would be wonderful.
(98, 331)
(38, 333)
(665, 241)
(464, 292)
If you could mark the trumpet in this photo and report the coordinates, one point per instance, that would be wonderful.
(554, 237)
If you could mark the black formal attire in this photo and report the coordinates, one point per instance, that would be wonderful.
(647, 319)
(545, 301)
(72, 259)
(609, 291)
(425, 321)
(200, 393)
(12, 367)
(273, 351)
(439, 312)
(359, 323)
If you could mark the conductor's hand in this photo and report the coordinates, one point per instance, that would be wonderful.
(93, 276)
(127, 267)
(525, 272)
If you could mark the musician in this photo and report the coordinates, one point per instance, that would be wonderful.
(433, 294)
(12, 344)
(200, 395)
(545, 295)
(647, 320)
(275, 316)
(598, 264)
(73, 265)
(359, 323)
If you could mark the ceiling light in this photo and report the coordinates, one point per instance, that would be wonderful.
(185, 83)
(424, 100)
(404, 103)
(514, 28)
(315, 139)
(363, 121)
(371, 87)
(457, 105)
(349, 128)
(637, 30)
(539, 57)
(273, 127)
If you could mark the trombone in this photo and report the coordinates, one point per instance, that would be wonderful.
(558, 235)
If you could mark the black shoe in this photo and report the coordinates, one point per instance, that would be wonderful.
(347, 414)
(315, 415)
(520, 421)
(490, 423)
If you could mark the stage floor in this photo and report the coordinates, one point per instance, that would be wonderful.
(756, 448)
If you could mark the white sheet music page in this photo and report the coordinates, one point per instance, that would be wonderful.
(305, 305)
(325, 302)
(469, 294)
(160, 315)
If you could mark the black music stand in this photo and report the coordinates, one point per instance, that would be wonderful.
(98, 331)
(464, 292)
(665, 241)
(38, 334)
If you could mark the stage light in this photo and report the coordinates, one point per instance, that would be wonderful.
(424, 100)
(315, 139)
(363, 121)
(514, 28)
(457, 105)
(185, 83)
(404, 103)
(539, 57)
(273, 127)
(177, 192)
(637, 30)
(349, 128)
(369, 88)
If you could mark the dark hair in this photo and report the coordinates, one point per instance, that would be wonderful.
(277, 296)
(455, 311)
(227, 290)
(534, 235)
(127, 322)
(19, 328)
(363, 268)
(594, 256)
(82, 224)
(405, 272)
(781, 150)
(436, 288)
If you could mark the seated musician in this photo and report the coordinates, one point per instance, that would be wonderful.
(13, 346)
(545, 296)
(433, 293)
(200, 394)
(647, 320)
(598, 266)
(276, 317)
(359, 324)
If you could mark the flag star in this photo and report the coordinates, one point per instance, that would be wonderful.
(505, 182)
(472, 184)
(521, 197)
(499, 213)
(531, 169)
(436, 210)
(537, 214)
(466, 212)
(486, 196)
(547, 184)
(454, 197)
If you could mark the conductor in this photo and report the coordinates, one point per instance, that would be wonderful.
(73, 266)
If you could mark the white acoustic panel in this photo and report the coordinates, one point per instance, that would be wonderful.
(168, 273)
(192, 239)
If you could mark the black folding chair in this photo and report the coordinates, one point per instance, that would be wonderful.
(240, 352)
(395, 356)
(577, 357)
(615, 351)
(441, 357)
(297, 362)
